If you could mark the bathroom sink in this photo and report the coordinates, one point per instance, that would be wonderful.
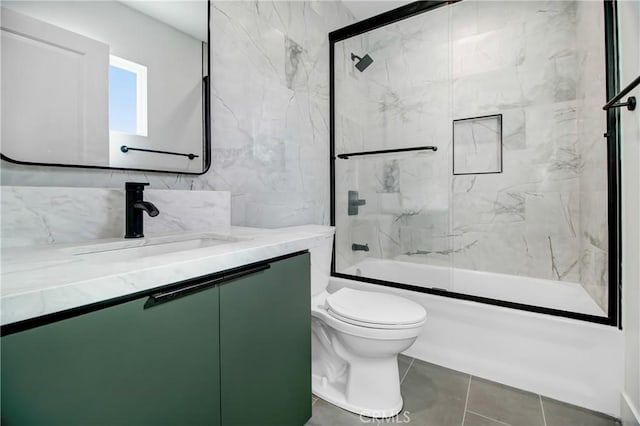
(134, 249)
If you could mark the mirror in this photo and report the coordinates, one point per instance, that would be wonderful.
(108, 84)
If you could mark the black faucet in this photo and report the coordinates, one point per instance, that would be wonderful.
(134, 206)
(360, 247)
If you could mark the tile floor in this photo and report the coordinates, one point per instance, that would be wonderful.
(438, 396)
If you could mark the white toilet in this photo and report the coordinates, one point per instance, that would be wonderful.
(356, 338)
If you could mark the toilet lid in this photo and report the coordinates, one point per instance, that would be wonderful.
(374, 308)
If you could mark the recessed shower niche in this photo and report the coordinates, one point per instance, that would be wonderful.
(514, 203)
(477, 145)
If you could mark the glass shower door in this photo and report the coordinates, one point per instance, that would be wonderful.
(529, 181)
(387, 226)
(512, 209)
(392, 207)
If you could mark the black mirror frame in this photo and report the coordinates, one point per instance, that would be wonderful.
(206, 125)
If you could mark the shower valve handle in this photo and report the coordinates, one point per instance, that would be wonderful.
(354, 203)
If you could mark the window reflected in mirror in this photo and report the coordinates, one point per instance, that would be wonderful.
(127, 97)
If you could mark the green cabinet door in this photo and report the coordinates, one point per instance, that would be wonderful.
(121, 365)
(265, 346)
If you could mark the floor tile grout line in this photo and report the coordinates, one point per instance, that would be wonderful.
(544, 418)
(407, 370)
(487, 417)
(466, 401)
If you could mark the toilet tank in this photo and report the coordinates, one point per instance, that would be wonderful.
(321, 264)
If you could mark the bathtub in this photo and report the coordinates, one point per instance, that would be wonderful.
(561, 295)
(570, 360)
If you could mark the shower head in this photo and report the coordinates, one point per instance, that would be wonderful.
(363, 62)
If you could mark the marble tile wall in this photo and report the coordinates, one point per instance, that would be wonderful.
(46, 215)
(543, 216)
(270, 116)
(591, 83)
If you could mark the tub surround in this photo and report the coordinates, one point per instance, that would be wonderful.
(467, 60)
(41, 280)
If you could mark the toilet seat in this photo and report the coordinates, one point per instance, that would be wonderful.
(375, 310)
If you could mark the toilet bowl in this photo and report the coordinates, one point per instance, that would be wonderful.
(356, 338)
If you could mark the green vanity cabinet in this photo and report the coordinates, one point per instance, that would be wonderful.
(122, 365)
(265, 346)
(230, 349)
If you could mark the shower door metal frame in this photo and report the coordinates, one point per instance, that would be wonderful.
(614, 314)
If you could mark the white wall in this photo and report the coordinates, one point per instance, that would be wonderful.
(270, 112)
(629, 30)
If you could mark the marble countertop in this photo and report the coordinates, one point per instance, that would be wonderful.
(42, 280)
